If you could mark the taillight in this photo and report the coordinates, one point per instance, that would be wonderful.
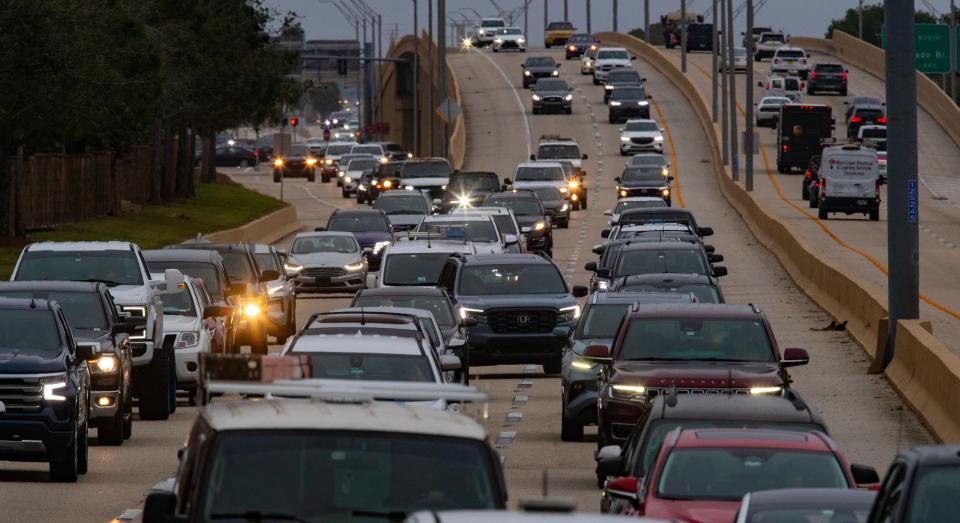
(822, 185)
(813, 74)
(802, 86)
(776, 60)
(843, 75)
(808, 174)
(855, 119)
(882, 119)
(785, 147)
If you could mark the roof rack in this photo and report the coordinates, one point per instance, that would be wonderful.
(556, 138)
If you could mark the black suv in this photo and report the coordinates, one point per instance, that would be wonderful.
(827, 77)
(552, 94)
(598, 325)
(535, 225)
(467, 189)
(628, 102)
(918, 486)
(537, 67)
(621, 78)
(46, 388)
(517, 302)
(644, 180)
(93, 318)
(705, 288)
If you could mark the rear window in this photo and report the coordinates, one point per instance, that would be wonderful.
(628, 93)
(623, 77)
(829, 68)
(791, 54)
(559, 25)
(869, 114)
(791, 84)
(612, 55)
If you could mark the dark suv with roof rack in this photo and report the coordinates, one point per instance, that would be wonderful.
(690, 349)
(518, 301)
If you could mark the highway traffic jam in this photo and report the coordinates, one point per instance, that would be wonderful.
(370, 412)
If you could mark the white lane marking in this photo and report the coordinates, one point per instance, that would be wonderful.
(513, 417)
(129, 515)
(318, 199)
(516, 96)
(504, 438)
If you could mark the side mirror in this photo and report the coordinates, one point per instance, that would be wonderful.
(883, 180)
(608, 212)
(617, 179)
(269, 275)
(633, 58)
(605, 233)
(562, 332)
(523, 66)
(579, 291)
(159, 507)
(598, 249)
(509, 239)
(437, 201)
(590, 266)
(609, 461)
(759, 84)
(367, 251)
(643, 79)
(584, 157)
(704, 231)
(238, 289)
(217, 311)
(714, 258)
(533, 157)
(319, 229)
(794, 357)
(599, 353)
(558, 66)
(719, 271)
(864, 475)
(709, 248)
(283, 252)
(87, 350)
(506, 181)
(371, 281)
(670, 178)
(173, 278)
(620, 130)
(649, 96)
(623, 489)
(450, 362)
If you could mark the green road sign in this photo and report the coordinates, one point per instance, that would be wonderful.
(933, 47)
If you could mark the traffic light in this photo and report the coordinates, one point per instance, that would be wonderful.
(292, 122)
(341, 66)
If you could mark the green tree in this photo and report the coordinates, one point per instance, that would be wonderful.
(872, 22)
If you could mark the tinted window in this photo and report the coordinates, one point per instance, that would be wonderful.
(492, 23)
(704, 293)
(437, 306)
(520, 206)
(791, 55)
(628, 93)
(646, 159)
(643, 174)
(655, 261)
(111, 267)
(505, 224)
(551, 84)
(728, 474)
(844, 513)
(547, 194)
(358, 223)
(406, 204)
(876, 132)
(772, 38)
(511, 279)
(829, 68)
(558, 151)
(541, 61)
(362, 165)
(791, 84)
(580, 39)
(338, 149)
(601, 321)
(538, 174)
(383, 473)
(29, 332)
(869, 114)
(470, 230)
(413, 268)
(83, 310)
(205, 271)
(178, 303)
(935, 495)
(696, 339)
(608, 54)
(238, 265)
(438, 169)
(309, 244)
(267, 261)
(658, 202)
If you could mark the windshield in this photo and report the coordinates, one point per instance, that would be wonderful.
(601, 321)
(687, 339)
(633, 174)
(551, 84)
(238, 266)
(776, 37)
(538, 174)
(31, 331)
(368, 366)
(111, 267)
(607, 54)
(310, 244)
(338, 149)
(547, 194)
(362, 165)
(359, 223)
(406, 204)
(774, 101)
(511, 279)
(471, 182)
(559, 25)
(509, 31)
(339, 476)
(739, 51)
(704, 293)
(935, 494)
(647, 127)
(654, 261)
(728, 474)
(267, 261)
(414, 268)
(469, 230)
(205, 271)
(435, 305)
(178, 302)
(623, 205)
(83, 310)
(580, 39)
(623, 77)
(425, 170)
(558, 152)
(632, 92)
(299, 150)
(520, 206)
(540, 61)
(791, 84)
(647, 159)
(492, 23)
(367, 149)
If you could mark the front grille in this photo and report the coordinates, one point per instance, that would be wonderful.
(399, 228)
(522, 321)
(21, 394)
(553, 99)
(542, 75)
(655, 391)
(323, 272)
(642, 141)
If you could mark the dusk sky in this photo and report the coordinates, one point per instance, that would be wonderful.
(799, 17)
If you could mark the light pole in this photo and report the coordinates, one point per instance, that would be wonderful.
(589, 13)
(748, 85)
(615, 16)
(724, 99)
(683, 36)
(646, 20)
(546, 14)
(442, 63)
(416, 82)
(715, 72)
(566, 11)
(859, 20)
(953, 52)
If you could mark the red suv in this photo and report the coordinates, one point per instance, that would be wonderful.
(694, 348)
(702, 474)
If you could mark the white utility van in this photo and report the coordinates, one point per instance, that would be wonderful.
(787, 86)
(849, 181)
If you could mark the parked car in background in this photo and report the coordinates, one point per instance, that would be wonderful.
(232, 156)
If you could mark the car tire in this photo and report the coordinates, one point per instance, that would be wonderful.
(128, 424)
(345, 193)
(843, 92)
(312, 178)
(154, 391)
(781, 169)
(554, 366)
(259, 343)
(66, 471)
(83, 450)
(494, 49)
(583, 202)
(611, 119)
(822, 213)
(595, 81)
(324, 178)
(243, 164)
(111, 433)
(875, 215)
(570, 430)
(534, 110)
(569, 110)
(360, 199)
(564, 224)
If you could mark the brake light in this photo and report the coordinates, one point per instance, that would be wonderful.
(855, 119)
(843, 75)
(808, 174)
(785, 147)
(882, 119)
(776, 60)
(813, 74)
(802, 86)
(822, 185)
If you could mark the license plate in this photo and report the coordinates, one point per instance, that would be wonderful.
(790, 62)
(861, 202)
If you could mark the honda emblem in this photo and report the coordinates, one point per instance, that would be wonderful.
(523, 320)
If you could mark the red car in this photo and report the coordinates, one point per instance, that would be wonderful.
(701, 475)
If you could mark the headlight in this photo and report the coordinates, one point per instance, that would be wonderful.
(328, 161)
(311, 161)
(377, 247)
(498, 41)
(347, 179)
(51, 384)
(603, 285)
(608, 87)
(466, 312)
(665, 192)
(362, 187)
(589, 65)
(568, 314)
(765, 390)
(568, 98)
(563, 190)
(665, 172)
(658, 138)
(341, 173)
(388, 184)
(564, 207)
(526, 73)
(539, 226)
(443, 187)
(555, 73)
(582, 364)
(573, 184)
(593, 48)
(353, 267)
(409, 187)
(278, 162)
(643, 103)
(409, 155)
(188, 339)
(623, 194)
(520, 41)
(292, 267)
(105, 363)
(251, 310)
(624, 138)
(572, 48)
(536, 98)
(384, 159)
(628, 392)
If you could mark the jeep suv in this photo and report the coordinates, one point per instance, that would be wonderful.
(689, 349)
(46, 388)
(517, 301)
(121, 266)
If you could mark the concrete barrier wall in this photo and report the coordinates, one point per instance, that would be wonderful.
(924, 371)
(267, 229)
(871, 59)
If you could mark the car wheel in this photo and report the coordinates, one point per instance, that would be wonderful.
(595, 81)
(583, 201)
(312, 178)
(875, 215)
(154, 391)
(494, 49)
(534, 110)
(843, 92)
(244, 163)
(814, 200)
(112, 433)
(258, 343)
(822, 213)
(345, 193)
(360, 198)
(570, 430)
(128, 424)
(83, 451)
(569, 110)
(66, 471)
(554, 366)
(804, 190)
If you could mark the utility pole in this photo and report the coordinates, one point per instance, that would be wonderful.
(416, 83)
(615, 16)
(589, 13)
(748, 85)
(683, 36)
(715, 72)
(903, 253)
(724, 100)
(860, 20)
(953, 52)
(734, 153)
(526, 17)
(566, 11)
(546, 15)
(442, 64)
(646, 20)
(430, 117)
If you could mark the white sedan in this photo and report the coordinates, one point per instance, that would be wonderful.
(768, 110)
(640, 136)
(509, 38)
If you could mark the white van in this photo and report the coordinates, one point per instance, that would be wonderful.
(849, 181)
(785, 86)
